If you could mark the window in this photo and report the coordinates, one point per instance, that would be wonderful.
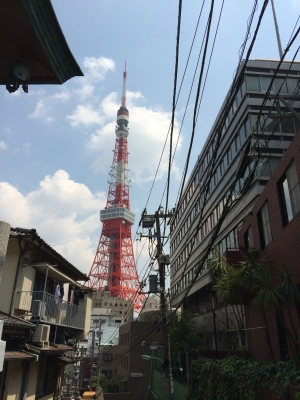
(264, 225)
(253, 83)
(280, 85)
(107, 373)
(289, 192)
(107, 357)
(265, 83)
(46, 375)
(248, 240)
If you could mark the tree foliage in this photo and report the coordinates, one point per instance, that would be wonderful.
(184, 337)
(235, 378)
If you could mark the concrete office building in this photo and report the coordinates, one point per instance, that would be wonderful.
(236, 133)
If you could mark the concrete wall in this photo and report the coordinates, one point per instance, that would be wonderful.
(284, 248)
(33, 374)
(86, 303)
(13, 381)
(4, 236)
(8, 275)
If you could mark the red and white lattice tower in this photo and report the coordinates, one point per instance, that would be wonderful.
(114, 267)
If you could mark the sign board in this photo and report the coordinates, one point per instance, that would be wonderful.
(135, 375)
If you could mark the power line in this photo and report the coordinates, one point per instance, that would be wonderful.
(229, 201)
(174, 99)
(224, 114)
(198, 93)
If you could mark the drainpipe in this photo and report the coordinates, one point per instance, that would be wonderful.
(43, 302)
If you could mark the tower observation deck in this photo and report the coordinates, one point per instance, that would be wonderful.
(114, 267)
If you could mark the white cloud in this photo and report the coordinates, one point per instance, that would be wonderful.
(62, 96)
(97, 68)
(86, 115)
(3, 145)
(65, 214)
(42, 111)
(148, 130)
(95, 72)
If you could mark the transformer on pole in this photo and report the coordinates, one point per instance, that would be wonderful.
(114, 267)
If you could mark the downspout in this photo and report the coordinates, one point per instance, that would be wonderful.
(43, 301)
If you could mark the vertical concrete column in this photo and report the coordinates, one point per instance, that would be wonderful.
(4, 236)
(2, 347)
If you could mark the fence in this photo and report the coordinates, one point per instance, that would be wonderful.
(48, 308)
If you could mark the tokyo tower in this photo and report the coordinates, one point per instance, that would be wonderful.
(114, 267)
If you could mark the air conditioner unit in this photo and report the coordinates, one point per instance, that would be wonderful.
(41, 335)
(37, 309)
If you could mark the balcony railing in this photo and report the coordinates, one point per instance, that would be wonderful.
(48, 308)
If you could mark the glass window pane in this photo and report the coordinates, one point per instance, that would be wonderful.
(253, 83)
(233, 149)
(232, 240)
(243, 89)
(265, 83)
(280, 85)
(287, 200)
(287, 125)
(291, 84)
(247, 127)
(242, 134)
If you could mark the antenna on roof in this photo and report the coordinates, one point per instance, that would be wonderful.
(123, 102)
(277, 31)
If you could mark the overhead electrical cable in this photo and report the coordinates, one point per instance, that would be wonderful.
(229, 201)
(233, 87)
(205, 184)
(183, 77)
(198, 92)
(174, 99)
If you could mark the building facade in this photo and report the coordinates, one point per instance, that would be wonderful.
(191, 236)
(45, 310)
(272, 230)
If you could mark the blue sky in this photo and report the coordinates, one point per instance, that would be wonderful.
(56, 142)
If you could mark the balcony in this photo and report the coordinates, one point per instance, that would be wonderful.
(45, 307)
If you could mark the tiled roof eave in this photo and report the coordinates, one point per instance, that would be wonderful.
(47, 29)
(15, 322)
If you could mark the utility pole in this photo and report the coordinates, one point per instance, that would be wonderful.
(99, 350)
(148, 221)
(93, 348)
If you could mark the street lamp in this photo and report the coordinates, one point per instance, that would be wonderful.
(146, 357)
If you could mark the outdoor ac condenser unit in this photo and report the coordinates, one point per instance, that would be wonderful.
(37, 309)
(41, 335)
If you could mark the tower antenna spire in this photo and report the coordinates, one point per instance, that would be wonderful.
(123, 101)
(114, 266)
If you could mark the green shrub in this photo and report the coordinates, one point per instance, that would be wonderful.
(235, 378)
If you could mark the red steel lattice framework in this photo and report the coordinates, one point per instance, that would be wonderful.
(114, 267)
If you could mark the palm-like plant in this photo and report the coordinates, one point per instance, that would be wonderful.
(254, 275)
(290, 292)
(217, 265)
(225, 279)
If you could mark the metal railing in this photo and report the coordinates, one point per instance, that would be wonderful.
(46, 307)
